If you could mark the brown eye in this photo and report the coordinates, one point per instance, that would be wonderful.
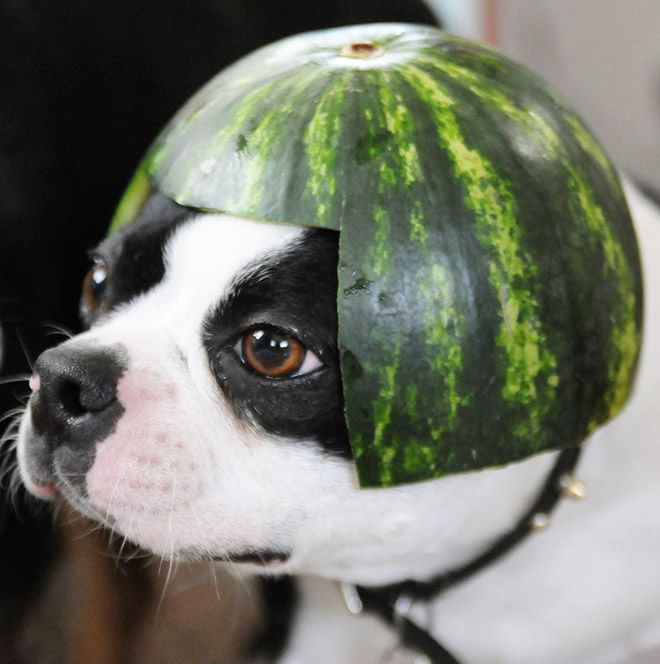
(275, 354)
(94, 286)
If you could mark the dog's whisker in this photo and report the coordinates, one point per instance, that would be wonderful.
(15, 484)
(23, 400)
(108, 511)
(232, 565)
(56, 329)
(24, 504)
(10, 478)
(87, 531)
(16, 413)
(122, 547)
(171, 563)
(56, 511)
(172, 568)
(90, 526)
(161, 561)
(8, 468)
(68, 483)
(134, 553)
(26, 353)
(126, 550)
(15, 378)
(214, 579)
(110, 527)
(196, 520)
(9, 472)
(9, 438)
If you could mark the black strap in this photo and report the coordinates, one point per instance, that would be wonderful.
(384, 600)
(410, 634)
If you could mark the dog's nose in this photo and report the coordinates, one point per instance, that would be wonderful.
(75, 402)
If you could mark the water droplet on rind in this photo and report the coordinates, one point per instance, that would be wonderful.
(360, 286)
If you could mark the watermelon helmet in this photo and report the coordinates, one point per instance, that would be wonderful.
(489, 298)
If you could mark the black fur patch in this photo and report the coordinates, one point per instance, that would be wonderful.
(295, 292)
(134, 255)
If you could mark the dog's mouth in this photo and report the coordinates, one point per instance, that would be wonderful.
(263, 557)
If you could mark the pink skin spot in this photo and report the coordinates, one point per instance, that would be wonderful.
(35, 382)
(44, 492)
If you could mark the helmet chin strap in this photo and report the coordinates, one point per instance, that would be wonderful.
(392, 603)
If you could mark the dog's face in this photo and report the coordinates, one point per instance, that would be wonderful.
(195, 414)
(201, 414)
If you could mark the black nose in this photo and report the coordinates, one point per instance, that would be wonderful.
(76, 400)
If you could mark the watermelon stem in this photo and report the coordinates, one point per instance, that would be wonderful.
(362, 50)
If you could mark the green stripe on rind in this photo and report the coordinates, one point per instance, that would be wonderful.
(321, 141)
(626, 334)
(488, 196)
(589, 144)
(138, 191)
(382, 415)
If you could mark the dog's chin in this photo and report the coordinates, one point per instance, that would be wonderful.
(257, 558)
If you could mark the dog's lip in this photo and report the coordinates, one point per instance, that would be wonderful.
(264, 557)
(43, 490)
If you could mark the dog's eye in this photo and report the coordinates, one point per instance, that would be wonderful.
(94, 285)
(276, 354)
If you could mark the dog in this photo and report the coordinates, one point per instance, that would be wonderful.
(163, 422)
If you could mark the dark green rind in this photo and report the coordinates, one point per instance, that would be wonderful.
(489, 283)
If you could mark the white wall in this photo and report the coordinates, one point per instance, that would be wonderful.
(602, 55)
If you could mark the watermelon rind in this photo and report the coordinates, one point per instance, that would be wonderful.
(489, 286)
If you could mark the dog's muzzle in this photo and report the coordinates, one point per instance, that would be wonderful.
(73, 406)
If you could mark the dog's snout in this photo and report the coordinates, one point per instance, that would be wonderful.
(75, 402)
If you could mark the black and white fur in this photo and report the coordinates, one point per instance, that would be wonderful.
(85, 84)
(152, 423)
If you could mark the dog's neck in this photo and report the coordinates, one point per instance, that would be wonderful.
(426, 562)
(395, 603)
(420, 531)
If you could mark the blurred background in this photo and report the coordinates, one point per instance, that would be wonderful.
(602, 55)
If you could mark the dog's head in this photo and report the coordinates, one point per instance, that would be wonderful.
(206, 391)
(201, 414)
